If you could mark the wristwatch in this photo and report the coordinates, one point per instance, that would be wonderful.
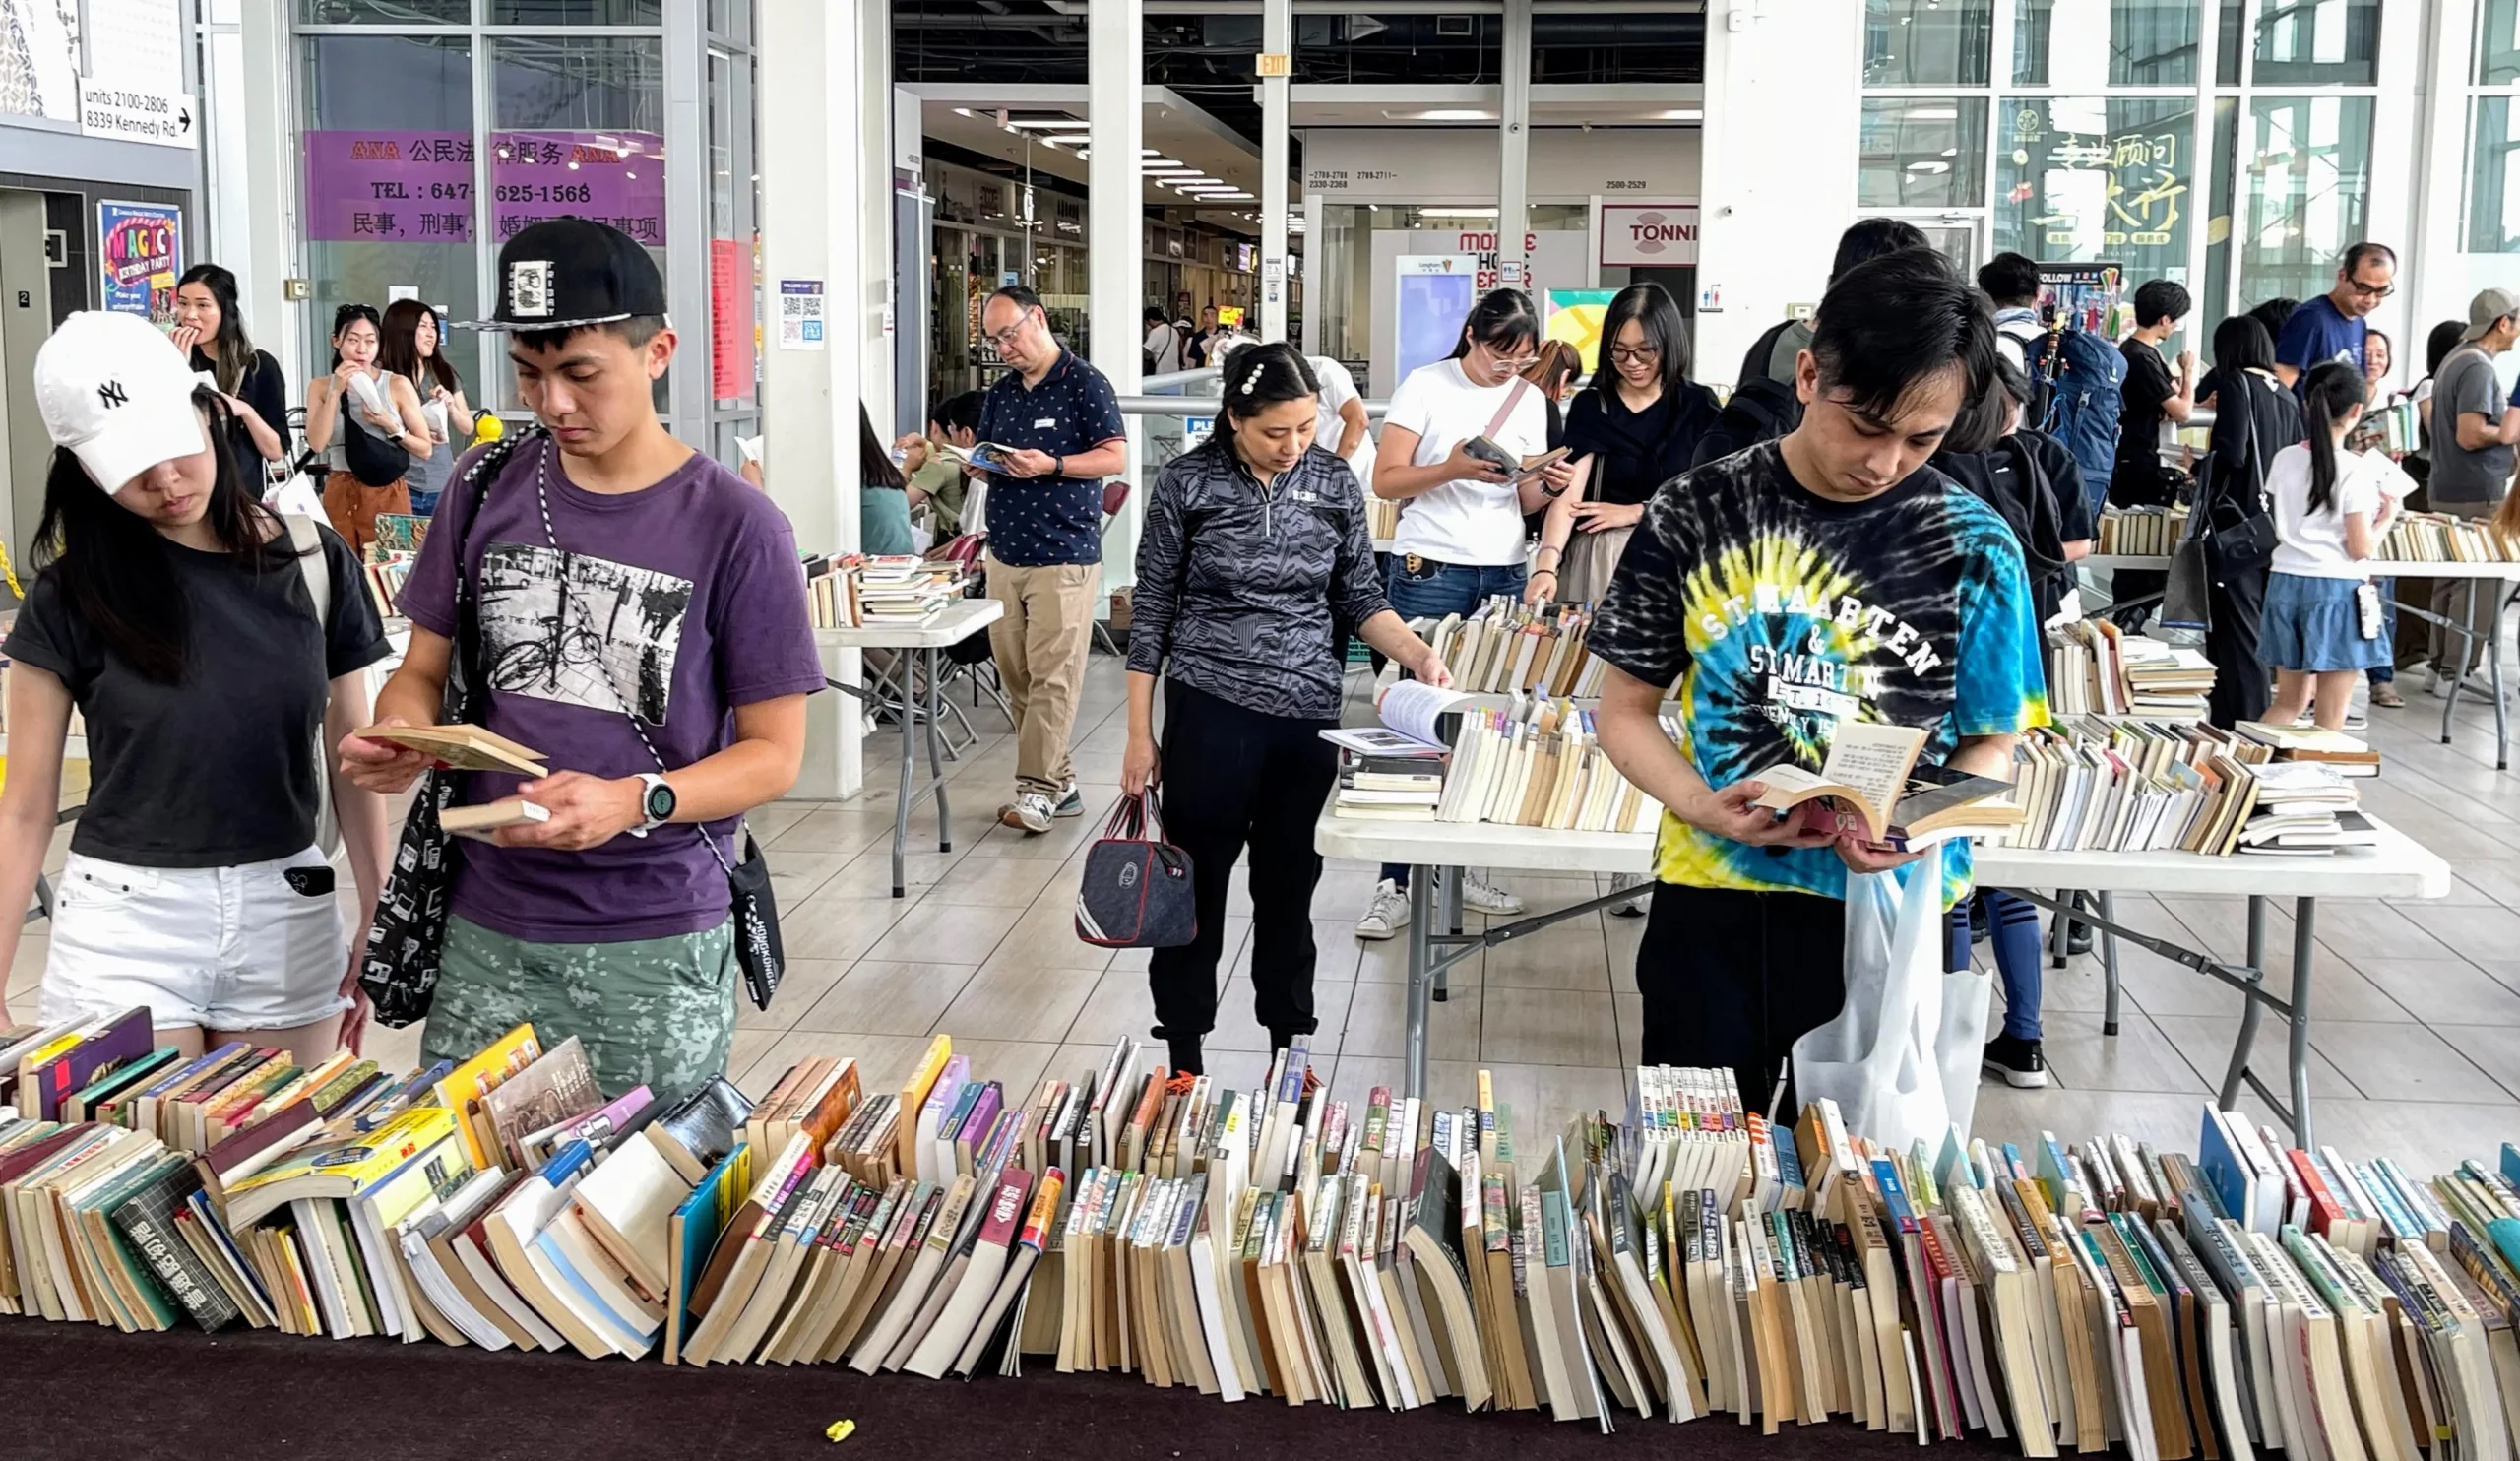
(657, 800)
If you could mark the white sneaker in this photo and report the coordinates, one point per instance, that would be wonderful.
(1387, 915)
(1482, 896)
(1029, 810)
(2434, 683)
(1634, 908)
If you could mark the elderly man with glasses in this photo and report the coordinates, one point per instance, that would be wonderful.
(1060, 425)
(2333, 326)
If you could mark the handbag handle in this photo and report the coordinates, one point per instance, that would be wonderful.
(1133, 817)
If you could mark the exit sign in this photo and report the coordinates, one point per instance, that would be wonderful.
(1277, 64)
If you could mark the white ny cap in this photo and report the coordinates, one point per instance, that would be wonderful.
(114, 389)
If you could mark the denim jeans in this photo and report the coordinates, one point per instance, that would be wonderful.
(1436, 590)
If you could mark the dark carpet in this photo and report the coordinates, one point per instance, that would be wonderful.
(79, 1391)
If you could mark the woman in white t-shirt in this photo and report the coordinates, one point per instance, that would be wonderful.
(2331, 508)
(1461, 540)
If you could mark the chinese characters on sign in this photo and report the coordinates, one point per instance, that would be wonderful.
(730, 326)
(141, 252)
(2096, 192)
(613, 178)
(389, 187)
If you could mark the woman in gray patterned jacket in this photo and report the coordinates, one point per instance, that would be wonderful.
(1255, 548)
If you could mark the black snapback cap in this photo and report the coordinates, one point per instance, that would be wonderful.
(568, 273)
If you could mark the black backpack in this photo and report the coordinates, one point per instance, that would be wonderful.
(1761, 409)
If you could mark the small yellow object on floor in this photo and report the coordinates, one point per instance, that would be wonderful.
(842, 1430)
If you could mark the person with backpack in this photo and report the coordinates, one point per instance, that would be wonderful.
(2331, 507)
(214, 649)
(2012, 282)
(643, 624)
(1762, 406)
(2255, 418)
(1787, 590)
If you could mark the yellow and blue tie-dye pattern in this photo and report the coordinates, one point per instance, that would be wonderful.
(1781, 614)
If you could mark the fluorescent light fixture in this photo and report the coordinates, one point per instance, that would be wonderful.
(1678, 114)
(1028, 124)
(1443, 114)
(1157, 160)
(1458, 213)
(965, 111)
(1928, 167)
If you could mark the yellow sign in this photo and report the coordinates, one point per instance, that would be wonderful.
(1277, 64)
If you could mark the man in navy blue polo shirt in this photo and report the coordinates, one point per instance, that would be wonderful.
(2334, 326)
(1061, 422)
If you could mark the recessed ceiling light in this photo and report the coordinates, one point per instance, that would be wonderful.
(1678, 114)
(1443, 114)
(1029, 124)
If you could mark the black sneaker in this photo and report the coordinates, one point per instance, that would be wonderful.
(2018, 1061)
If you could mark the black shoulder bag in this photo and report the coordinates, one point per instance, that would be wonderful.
(374, 460)
(755, 912)
(407, 939)
(2239, 532)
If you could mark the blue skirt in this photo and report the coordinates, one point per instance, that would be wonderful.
(2312, 625)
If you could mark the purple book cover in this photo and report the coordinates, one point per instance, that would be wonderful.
(128, 1037)
(973, 1135)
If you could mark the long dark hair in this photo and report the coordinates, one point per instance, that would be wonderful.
(342, 318)
(1653, 312)
(875, 465)
(1502, 317)
(236, 352)
(398, 345)
(2242, 342)
(114, 570)
(2334, 389)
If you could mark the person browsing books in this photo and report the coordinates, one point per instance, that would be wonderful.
(938, 483)
(1829, 577)
(1061, 425)
(1460, 536)
(2474, 427)
(182, 620)
(638, 617)
(1256, 544)
(2332, 506)
(2333, 326)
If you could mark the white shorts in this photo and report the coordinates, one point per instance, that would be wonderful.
(223, 948)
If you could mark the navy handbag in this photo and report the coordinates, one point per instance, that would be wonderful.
(1136, 892)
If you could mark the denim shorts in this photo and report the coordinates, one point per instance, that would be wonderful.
(1434, 590)
(2312, 625)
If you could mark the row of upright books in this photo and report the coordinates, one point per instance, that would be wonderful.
(2437, 537)
(858, 592)
(1504, 645)
(2095, 668)
(2140, 531)
(2138, 786)
(1445, 756)
(1692, 1260)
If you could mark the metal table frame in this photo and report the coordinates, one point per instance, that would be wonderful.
(950, 626)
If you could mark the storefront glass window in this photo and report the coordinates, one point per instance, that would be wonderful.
(387, 162)
(2088, 178)
(2319, 42)
(576, 12)
(1922, 151)
(2105, 42)
(2307, 162)
(731, 274)
(1928, 42)
(2499, 43)
(2494, 178)
(384, 12)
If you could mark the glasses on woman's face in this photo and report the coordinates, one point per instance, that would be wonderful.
(1510, 365)
(1635, 355)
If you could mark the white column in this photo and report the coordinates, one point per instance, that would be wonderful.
(2392, 205)
(1115, 73)
(1777, 183)
(1514, 146)
(2432, 278)
(271, 211)
(1313, 296)
(1277, 39)
(875, 210)
(811, 164)
(687, 180)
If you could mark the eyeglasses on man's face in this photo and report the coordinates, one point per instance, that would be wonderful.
(1006, 337)
(2364, 291)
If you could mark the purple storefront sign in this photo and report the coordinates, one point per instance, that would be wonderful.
(373, 186)
(613, 177)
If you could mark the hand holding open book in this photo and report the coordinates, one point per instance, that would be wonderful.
(1871, 790)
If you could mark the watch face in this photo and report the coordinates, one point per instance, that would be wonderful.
(660, 801)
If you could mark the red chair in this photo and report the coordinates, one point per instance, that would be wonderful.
(1115, 499)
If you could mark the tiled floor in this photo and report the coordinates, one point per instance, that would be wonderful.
(2417, 1031)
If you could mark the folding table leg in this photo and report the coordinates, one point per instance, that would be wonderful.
(2494, 676)
(902, 800)
(2236, 1078)
(935, 760)
(1421, 912)
(2109, 962)
(2304, 946)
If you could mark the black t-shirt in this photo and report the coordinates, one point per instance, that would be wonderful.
(1634, 452)
(2137, 481)
(219, 768)
(260, 387)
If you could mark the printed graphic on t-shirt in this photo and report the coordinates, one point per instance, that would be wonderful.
(580, 630)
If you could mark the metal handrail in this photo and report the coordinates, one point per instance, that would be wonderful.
(1173, 406)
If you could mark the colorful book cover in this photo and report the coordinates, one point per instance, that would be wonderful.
(698, 1221)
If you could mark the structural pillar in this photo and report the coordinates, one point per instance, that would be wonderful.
(875, 121)
(270, 187)
(1278, 41)
(814, 272)
(1115, 75)
(1514, 145)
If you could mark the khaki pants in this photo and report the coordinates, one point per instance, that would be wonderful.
(2450, 650)
(1040, 647)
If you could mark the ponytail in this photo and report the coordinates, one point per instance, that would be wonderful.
(2333, 392)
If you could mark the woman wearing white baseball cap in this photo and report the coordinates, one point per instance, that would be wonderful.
(214, 648)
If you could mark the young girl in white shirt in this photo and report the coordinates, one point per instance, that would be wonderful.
(2331, 508)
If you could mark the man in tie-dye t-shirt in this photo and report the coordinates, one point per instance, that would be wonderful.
(1827, 576)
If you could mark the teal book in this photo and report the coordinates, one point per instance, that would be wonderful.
(692, 1235)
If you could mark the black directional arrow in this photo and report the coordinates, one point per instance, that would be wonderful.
(183, 119)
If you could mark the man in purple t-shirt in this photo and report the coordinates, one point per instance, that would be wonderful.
(641, 623)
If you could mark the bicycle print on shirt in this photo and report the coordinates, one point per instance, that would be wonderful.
(580, 630)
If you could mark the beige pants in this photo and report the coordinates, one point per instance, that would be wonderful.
(2450, 649)
(1040, 647)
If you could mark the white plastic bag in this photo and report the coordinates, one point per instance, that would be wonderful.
(1902, 1058)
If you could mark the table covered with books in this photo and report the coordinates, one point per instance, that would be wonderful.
(923, 638)
(2393, 867)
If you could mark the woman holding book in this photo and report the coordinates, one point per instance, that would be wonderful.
(1255, 543)
(412, 350)
(195, 884)
(2332, 506)
(360, 396)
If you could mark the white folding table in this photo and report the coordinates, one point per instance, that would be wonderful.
(2396, 868)
(928, 638)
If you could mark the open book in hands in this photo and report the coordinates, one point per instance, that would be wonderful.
(1871, 786)
(1518, 469)
(987, 456)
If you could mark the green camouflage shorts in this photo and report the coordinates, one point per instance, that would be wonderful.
(658, 1012)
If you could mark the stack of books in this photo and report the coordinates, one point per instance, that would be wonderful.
(903, 589)
(2165, 682)
(1502, 647)
(2140, 531)
(2306, 809)
(2437, 538)
(2087, 669)
(2087, 785)
(2334, 748)
(1388, 788)
(1382, 516)
(831, 591)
